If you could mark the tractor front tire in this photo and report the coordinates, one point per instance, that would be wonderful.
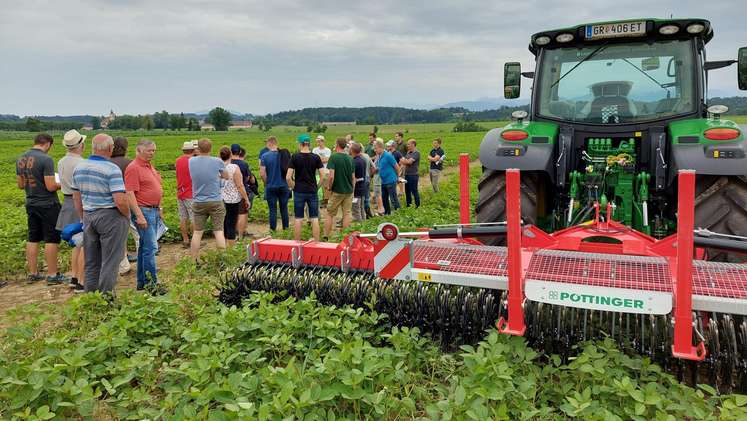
(721, 206)
(491, 200)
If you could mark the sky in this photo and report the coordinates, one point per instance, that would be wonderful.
(70, 57)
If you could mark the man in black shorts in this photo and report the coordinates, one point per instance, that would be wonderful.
(302, 174)
(35, 175)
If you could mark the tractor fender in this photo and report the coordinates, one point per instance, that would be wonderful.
(497, 154)
(726, 159)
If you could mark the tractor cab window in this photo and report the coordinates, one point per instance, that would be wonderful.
(617, 83)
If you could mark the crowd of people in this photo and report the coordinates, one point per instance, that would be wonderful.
(107, 197)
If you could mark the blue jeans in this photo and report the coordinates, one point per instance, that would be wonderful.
(367, 197)
(148, 245)
(411, 189)
(389, 193)
(274, 196)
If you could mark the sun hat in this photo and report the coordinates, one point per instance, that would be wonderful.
(188, 146)
(72, 139)
(195, 144)
(304, 138)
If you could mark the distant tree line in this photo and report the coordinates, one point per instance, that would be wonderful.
(311, 118)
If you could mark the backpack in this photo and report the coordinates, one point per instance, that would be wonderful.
(252, 183)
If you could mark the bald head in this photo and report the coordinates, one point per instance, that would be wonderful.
(102, 144)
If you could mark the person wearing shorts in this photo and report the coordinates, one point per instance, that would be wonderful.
(340, 181)
(206, 172)
(35, 175)
(74, 142)
(302, 174)
(184, 191)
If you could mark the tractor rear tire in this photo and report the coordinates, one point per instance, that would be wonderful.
(491, 200)
(721, 206)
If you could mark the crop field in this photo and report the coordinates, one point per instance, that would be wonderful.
(13, 216)
(185, 356)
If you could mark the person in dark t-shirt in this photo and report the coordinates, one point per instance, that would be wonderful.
(302, 175)
(436, 158)
(360, 189)
(35, 175)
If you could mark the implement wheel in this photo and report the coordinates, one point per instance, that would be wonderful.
(491, 200)
(721, 206)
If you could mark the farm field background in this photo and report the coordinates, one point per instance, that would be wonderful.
(13, 216)
(185, 356)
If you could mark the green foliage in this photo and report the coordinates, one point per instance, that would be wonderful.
(219, 118)
(96, 123)
(316, 128)
(468, 126)
(184, 356)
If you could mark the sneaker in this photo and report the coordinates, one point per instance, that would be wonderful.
(131, 258)
(34, 277)
(56, 279)
(3, 283)
(76, 287)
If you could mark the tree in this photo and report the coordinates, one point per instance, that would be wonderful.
(161, 120)
(96, 123)
(147, 122)
(264, 123)
(219, 118)
(177, 121)
(33, 124)
(193, 125)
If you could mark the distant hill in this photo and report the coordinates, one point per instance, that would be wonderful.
(484, 104)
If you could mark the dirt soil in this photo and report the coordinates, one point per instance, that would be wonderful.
(18, 292)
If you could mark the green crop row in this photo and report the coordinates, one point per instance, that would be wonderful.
(185, 356)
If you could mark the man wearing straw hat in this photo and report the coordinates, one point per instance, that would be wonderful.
(74, 142)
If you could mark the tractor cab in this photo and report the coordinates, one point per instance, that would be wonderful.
(617, 108)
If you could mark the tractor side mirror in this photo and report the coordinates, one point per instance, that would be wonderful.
(511, 80)
(742, 68)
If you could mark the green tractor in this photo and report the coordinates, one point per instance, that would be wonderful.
(617, 108)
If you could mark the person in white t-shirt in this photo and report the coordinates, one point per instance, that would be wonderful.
(324, 153)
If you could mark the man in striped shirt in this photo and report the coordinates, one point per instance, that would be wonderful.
(99, 195)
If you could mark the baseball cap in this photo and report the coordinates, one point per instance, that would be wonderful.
(320, 137)
(390, 143)
(303, 138)
(235, 148)
(188, 146)
(72, 138)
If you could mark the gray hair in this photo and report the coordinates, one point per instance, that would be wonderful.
(143, 143)
(102, 142)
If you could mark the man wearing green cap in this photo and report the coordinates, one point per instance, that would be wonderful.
(302, 175)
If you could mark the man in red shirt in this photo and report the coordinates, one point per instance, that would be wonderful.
(184, 191)
(144, 193)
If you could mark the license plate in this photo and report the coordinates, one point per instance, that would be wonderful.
(616, 30)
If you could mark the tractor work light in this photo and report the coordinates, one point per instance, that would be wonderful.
(542, 40)
(721, 133)
(514, 135)
(564, 38)
(669, 29)
(695, 28)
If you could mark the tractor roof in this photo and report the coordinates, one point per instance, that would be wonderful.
(620, 31)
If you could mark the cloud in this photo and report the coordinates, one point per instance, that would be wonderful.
(137, 56)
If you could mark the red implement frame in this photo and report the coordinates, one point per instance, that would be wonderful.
(683, 298)
(514, 325)
(633, 261)
(464, 203)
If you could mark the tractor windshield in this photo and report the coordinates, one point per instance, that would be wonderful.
(617, 83)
